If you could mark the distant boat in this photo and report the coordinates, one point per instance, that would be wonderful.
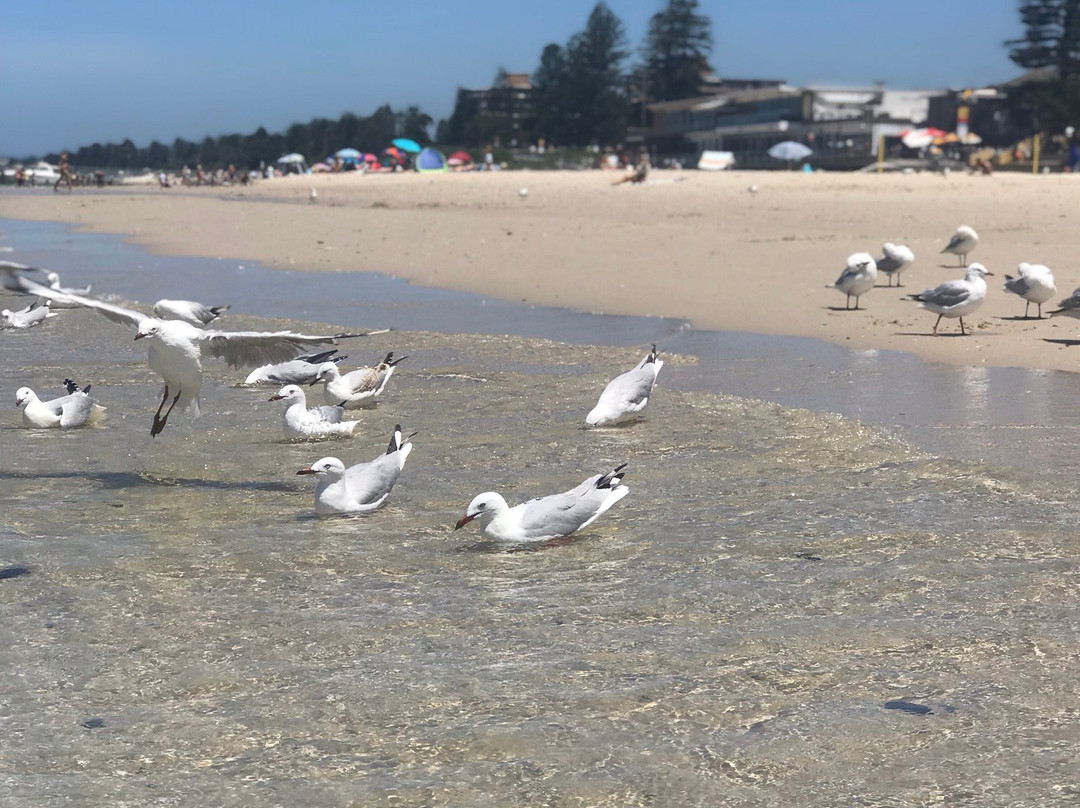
(40, 173)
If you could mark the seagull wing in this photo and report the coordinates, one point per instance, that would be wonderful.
(118, 314)
(1018, 286)
(260, 347)
(948, 294)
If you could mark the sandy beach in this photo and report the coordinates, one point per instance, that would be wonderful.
(690, 245)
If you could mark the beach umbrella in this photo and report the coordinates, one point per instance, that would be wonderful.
(920, 138)
(348, 154)
(459, 158)
(407, 145)
(790, 150)
(393, 151)
(291, 158)
(371, 158)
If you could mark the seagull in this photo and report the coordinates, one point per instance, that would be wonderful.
(894, 257)
(1035, 285)
(301, 370)
(524, 192)
(956, 298)
(360, 488)
(316, 423)
(176, 350)
(627, 394)
(962, 242)
(189, 311)
(858, 277)
(548, 517)
(67, 412)
(54, 284)
(357, 388)
(34, 314)
(1069, 307)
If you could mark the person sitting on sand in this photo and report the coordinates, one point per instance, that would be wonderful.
(640, 172)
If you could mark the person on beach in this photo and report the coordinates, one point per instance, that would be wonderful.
(640, 172)
(65, 172)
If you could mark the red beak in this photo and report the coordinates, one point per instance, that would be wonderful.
(306, 470)
(140, 335)
(464, 521)
(275, 397)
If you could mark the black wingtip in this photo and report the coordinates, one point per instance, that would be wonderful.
(395, 440)
(70, 386)
(612, 478)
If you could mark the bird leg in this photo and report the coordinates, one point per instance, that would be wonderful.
(159, 419)
(847, 303)
(963, 333)
(1027, 303)
(936, 322)
(856, 303)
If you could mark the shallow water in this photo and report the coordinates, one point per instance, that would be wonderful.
(792, 607)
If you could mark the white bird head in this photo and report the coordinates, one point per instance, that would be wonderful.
(23, 396)
(54, 280)
(291, 393)
(966, 232)
(861, 261)
(976, 271)
(524, 192)
(328, 466)
(327, 371)
(148, 328)
(485, 506)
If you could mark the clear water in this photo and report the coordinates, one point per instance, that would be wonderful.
(811, 535)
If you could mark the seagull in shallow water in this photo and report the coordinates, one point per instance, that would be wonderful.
(358, 388)
(175, 350)
(66, 412)
(547, 517)
(189, 311)
(360, 488)
(315, 423)
(894, 258)
(963, 241)
(33, 315)
(858, 277)
(54, 284)
(627, 394)
(956, 298)
(1035, 283)
(301, 370)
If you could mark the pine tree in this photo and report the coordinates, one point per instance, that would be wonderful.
(1051, 37)
(676, 50)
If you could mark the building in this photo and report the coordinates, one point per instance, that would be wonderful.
(843, 125)
(497, 114)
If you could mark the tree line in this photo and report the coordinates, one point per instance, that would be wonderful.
(1050, 45)
(316, 140)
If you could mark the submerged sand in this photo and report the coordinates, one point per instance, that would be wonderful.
(691, 245)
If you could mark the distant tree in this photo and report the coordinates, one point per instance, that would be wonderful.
(1051, 37)
(550, 86)
(597, 102)
(1051, 41)
(416, 125)
(676, 50)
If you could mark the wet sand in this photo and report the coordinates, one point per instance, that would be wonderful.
(688, 245)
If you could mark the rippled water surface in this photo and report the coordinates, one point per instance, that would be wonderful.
(792, 607)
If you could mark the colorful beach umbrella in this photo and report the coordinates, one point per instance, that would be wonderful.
(348, 154)
(459, 158)
(407, 145)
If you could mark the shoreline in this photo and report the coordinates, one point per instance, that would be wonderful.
(751, 262)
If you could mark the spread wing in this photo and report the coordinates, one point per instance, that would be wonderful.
(118, 314)
(261, 347)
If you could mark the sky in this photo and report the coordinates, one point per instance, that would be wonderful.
(73, 73)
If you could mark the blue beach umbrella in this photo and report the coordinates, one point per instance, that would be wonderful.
(348, 154)
(407, 145)
(790, 150)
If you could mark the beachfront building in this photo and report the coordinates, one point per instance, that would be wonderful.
(843, 125)
(497, 114)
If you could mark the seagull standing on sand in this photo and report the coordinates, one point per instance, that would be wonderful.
(1035, 284)
(956, 298)
(360, 488)
(175, 350)
(627, 394)
(189, 311)
(858, 277)
(316, 423)
(894, 257)
(67, 412)
(549, 517)
(358, 388)
(34, 314)
(1069, 307)
(963, 241)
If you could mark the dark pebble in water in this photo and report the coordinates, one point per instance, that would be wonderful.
(94, 723)
(908, 707)
(808, 556)
(13, 572)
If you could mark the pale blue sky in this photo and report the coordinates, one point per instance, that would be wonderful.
(72, 73)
